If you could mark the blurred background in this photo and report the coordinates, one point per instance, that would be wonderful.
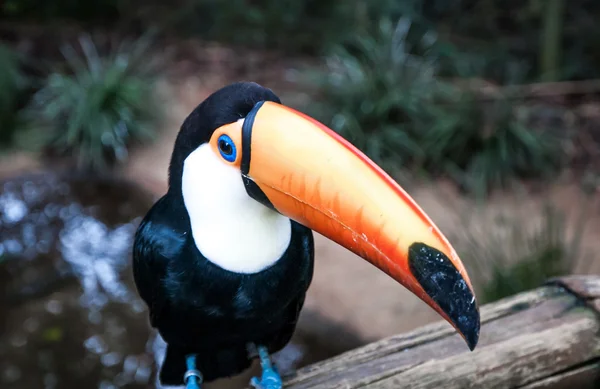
(487, 112)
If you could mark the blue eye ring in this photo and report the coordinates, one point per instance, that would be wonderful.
(227, 148)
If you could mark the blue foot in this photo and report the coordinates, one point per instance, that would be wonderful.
(192, 377)
(270, 378)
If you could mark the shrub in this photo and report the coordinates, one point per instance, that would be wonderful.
(520, 30)
(307, 26)
(41, 10)
(384, 93)
(13, 93)
(292, 26)
(378, 93)
(287, 25)
(97, 108)
(516, 255)
(491, 144)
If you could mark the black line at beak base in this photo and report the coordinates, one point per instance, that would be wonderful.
(445, 285)
(252, 188)
(247, 138)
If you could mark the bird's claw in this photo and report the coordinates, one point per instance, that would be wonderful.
(270, 379)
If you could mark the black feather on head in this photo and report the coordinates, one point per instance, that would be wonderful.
(226, 105)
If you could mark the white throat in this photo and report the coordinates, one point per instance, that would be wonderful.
(232, 230)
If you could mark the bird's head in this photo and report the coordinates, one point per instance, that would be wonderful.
(264, 154)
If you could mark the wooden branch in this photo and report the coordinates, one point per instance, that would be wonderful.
(546, 338)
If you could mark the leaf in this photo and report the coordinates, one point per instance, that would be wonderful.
(95, 111)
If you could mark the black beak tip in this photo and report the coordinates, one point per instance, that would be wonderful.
(470, 330)
(445, 285)
(472, 343)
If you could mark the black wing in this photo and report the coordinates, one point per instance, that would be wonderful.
(155, 244)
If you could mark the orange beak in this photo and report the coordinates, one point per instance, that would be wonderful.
(309, 173)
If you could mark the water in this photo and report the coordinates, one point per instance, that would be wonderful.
(71, 314)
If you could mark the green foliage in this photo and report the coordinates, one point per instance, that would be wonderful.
(306, 26)
(512, 30)
(98, 107)
(42, 10)
(13, 87)
(288, 25)
(384, 93)
(528, 32)
(379, 94)
(494, 145)
(517, 255)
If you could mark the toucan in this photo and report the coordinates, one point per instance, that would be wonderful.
(223, 260)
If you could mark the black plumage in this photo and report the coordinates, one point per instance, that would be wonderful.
(198, 307)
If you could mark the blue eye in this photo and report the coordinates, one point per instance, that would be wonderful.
(227, 148)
